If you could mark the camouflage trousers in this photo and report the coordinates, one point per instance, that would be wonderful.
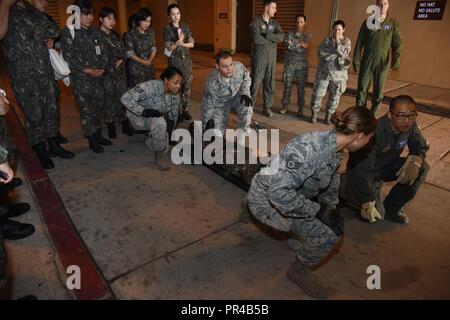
(139, 74)
(157, 128)
(335, 90)
(37, 99)
(300, 76)
(114, 89)
(317, 239)
(185, 66)
(221, 112)
(7, 142)
(88, 93)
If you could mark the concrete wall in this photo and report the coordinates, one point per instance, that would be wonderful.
(225, 28)
(159, 19)
(199, 15)
(426, 43)
(318, 17)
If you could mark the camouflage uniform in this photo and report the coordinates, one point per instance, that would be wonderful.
(222, 95)
(115, 78)
(332, 73)
(289, 199)
(7, 142)
(181, 59)
(265, 37)
(31, 72)
(151, 95)
(296, 67)
(81, 53)
(142, 45)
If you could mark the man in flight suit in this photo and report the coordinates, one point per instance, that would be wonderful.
(374, 64)
(265, 33)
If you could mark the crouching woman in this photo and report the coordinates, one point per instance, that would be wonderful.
(301, 196)
(153, 106)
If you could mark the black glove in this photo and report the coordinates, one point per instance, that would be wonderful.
(246, 100)
(332, 218)
(151, 113)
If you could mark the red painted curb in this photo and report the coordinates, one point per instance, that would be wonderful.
(69, 246)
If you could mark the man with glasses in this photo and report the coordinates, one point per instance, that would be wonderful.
(382, 162)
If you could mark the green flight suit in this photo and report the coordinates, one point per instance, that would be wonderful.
(265, 37)
(374, 63)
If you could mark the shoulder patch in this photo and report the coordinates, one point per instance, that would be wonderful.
(292, 163)
(138, 89)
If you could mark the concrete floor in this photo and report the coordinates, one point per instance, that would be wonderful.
(176, 235)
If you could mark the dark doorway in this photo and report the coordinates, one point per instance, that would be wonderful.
(243, 20)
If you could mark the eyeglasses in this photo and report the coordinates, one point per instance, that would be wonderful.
(404, 116)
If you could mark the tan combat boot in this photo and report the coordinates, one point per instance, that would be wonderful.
(302, 276)
(267, 112)
(284, 110)
(160, 161)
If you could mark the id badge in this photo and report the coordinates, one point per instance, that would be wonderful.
(98, 51)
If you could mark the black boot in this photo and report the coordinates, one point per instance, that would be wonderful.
(15, 182)
(61, 138)
(17, 209)
(101, 140)
(127, 128)
(13, 230)
(111, 130)
(43, 156)
(94, 145)
(55, 150)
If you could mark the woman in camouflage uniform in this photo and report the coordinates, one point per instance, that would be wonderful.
(153, 106)
(332, 75)
(178, 40)
(140, 49)
(115, 77)
(296, 65)
(300, 197)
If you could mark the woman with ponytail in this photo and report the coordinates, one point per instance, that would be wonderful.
(153, 106)
(300, 198)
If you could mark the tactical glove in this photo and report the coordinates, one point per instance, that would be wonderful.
(369, 212)
(151, 113)
(410, 170)
(246, 100)
(332, 218)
